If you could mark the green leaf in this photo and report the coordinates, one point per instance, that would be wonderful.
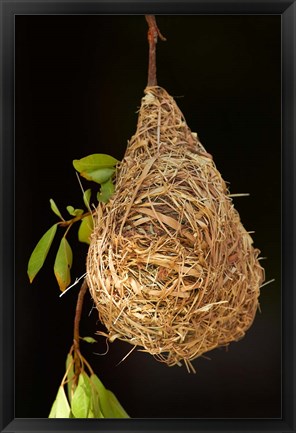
(101, 391)
(110, 406)
(86, 198)
(62, 264)
(85, 229)
(55, 209)
(100, 175)
(53, 410)
(80, 403)
(117, 409)
(107, 189)
(97, 167)
(74, 212)
(95, 403)
(89, 339)
(94, 162)
(60, 408)
(70, 376)
(40, 252)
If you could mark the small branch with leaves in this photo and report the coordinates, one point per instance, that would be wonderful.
(100, 169)
(85, 395)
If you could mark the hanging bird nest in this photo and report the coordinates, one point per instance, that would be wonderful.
(170, 266)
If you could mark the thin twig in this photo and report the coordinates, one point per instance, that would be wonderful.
(77, 318)
(153, 34)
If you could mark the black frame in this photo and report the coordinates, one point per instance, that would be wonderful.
(8, 11)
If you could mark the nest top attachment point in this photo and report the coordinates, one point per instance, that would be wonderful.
(170, 267)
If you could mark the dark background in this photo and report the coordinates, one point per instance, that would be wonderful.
(79, 82)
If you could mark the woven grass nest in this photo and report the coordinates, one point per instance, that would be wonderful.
(170, 267)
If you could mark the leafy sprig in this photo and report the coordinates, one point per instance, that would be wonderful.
(85, 396)
(100, 169)
(81, 393)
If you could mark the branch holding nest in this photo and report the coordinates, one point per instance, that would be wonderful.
(153, 34)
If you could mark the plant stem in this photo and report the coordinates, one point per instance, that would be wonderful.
(76, 336)
(153, 33)
(66, 223)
